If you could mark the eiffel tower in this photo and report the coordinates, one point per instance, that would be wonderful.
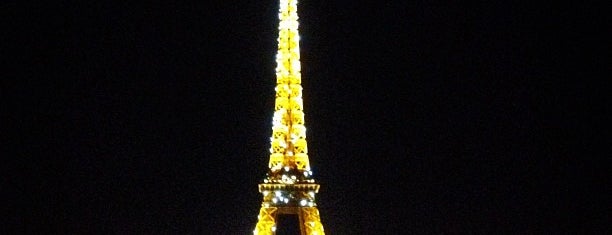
(289, 187)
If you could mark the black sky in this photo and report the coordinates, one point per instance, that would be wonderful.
(423, 117)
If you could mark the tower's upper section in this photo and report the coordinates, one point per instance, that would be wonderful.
(288, 142)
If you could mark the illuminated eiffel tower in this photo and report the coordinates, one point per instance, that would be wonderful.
(288, 187)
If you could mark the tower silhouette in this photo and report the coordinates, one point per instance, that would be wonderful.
(289, 187)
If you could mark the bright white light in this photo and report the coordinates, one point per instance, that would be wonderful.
(303, 202)
(265, 193)
(286, 168)
(310, 204)
(274, 228)
(278, 193)
(274, 200)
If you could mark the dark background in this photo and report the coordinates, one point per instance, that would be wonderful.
(424, 117)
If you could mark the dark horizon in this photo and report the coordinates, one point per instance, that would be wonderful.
(423, 117)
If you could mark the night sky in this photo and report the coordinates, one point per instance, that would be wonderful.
(423, 117)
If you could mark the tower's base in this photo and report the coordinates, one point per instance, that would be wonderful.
(310, 222)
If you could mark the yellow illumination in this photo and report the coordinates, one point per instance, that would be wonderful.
(288, 193)
(288, 118)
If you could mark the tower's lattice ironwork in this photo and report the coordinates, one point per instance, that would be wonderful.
(288, 187)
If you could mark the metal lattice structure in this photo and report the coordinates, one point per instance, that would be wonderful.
(288, 187)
